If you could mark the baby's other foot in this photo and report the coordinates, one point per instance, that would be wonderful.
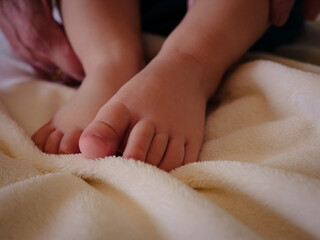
(157, 117)
(61, 134)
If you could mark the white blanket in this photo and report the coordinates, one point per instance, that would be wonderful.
(258, 175)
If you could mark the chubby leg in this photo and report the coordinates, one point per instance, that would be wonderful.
(105, 35)
(159, 115)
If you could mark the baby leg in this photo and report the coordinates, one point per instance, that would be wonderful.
(158, 116)
(105, 35)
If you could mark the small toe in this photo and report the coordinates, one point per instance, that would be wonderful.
(139, 141)
(157, 149)
(192, 152)
(40, 137)
(53, 142)
(70, 142)
(174, 154)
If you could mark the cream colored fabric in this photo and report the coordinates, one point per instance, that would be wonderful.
(257, 176)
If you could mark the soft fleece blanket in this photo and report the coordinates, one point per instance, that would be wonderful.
(257, 176)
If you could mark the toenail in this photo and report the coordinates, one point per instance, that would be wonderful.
(97, 135)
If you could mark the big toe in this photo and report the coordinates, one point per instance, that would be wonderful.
(104, 134)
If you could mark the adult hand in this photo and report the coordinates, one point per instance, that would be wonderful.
(36, 37)
(280, 10)
(311, 9)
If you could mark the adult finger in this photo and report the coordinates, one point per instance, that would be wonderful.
(37, 38)
(63, 55)
(310, 9)
(280, 11)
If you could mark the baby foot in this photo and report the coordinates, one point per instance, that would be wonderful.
(61, 134)
(157, 117)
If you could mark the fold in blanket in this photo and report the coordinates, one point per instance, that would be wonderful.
(257, 175)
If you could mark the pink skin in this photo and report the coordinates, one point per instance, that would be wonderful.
(37, 38)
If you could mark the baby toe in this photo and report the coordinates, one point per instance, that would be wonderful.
(53, 142)
(40, 136)
(157, 149)
(70, 142)
(192, 152)
(174, 154)
(139, 141)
